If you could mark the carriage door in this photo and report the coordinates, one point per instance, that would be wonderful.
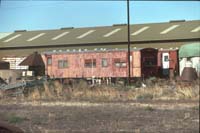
(165, 64)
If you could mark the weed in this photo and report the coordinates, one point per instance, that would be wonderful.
(149, 108)
(195, 108)
(80, 90)
(145, 96)
(15, 119)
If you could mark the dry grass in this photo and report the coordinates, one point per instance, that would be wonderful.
(154, 90)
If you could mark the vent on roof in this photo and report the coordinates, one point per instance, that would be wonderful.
(67, 28)
(119, 24)
(20, 30)
(176, 21)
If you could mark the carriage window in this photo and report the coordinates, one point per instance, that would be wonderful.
(123, 64)
(166, 58)
(62, 64)
(149, 61)
(104, 62)
(119, 63)
(90, 63)
(49, 61)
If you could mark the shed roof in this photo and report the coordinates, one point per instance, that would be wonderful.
(34, 59)
(4, 34)
(140, 33)
(190, 50)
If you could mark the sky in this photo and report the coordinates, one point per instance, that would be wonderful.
(42, 15)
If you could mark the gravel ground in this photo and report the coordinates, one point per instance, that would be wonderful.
(136, 116)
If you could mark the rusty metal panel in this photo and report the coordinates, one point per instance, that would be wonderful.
(188, 74)
(173, 56)
(136, 59)
(136, 64)
(136, 72)
(119, 71)
(159, 58)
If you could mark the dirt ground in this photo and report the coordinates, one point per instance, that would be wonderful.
(133, 116)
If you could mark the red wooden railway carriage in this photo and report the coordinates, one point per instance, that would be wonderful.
(101, 63)
(86, 64)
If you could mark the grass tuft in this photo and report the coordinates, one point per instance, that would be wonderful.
(149, 108)
(15, 119)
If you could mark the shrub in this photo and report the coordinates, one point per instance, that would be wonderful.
(145, 96)
(15, 119)
(149, 108)
(196, 108)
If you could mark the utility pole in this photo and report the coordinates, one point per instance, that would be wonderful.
(128, 29)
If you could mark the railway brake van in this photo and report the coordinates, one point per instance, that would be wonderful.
(101, 63)
(86, 64)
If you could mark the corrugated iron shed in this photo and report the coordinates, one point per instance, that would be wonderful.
(140, 33)
(155, 35)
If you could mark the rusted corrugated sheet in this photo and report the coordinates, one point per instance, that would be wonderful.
(173, 59)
